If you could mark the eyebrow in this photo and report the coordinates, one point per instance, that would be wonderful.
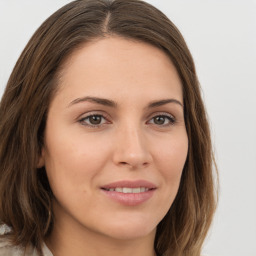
(97, 100)
(113, 104)
(159, 103)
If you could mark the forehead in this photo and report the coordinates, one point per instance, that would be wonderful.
(114, 64)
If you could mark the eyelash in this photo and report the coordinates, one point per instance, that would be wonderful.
(167, 117)
(171, 119)
(83, 120)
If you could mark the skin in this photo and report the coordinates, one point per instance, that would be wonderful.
(128, 143)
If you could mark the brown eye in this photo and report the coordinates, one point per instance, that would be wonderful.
(159, 120)
(162, 120)
(93, 120)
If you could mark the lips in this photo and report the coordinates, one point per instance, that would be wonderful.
(130, 184)
(128, 190)
(130, 193)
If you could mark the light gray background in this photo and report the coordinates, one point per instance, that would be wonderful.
(221, 35)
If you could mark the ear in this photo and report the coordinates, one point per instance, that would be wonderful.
(41, 161)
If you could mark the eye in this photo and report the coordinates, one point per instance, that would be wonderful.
(93, 120)
(162, 120)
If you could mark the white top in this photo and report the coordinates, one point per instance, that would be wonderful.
(6, 248)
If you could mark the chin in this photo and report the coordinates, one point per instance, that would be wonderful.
(131, 234)
(131, 229)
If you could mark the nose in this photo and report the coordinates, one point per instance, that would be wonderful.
(131, 148)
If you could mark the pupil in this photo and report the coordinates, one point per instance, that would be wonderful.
(95, 119)
(159, 120)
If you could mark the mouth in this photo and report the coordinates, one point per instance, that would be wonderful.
(130, 193)
(129, 190)
(128, 186)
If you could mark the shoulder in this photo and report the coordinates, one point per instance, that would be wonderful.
(6, 248)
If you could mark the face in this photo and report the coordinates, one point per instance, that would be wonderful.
(115, 139)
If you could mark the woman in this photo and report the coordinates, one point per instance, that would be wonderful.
(105, 145)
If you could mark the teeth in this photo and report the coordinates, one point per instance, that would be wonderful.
(129, 190)
(136, 190)
(118, 189)
(142, 189)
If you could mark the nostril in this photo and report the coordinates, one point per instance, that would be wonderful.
(133, 165)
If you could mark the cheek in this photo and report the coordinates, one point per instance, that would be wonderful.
(73, 161)
(171, 158)
(70, 169)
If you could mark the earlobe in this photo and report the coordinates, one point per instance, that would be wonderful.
(41, 161)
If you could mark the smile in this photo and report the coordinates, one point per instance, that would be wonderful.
(129, 193)
(129, 190)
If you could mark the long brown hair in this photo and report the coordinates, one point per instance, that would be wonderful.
(25, 195)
